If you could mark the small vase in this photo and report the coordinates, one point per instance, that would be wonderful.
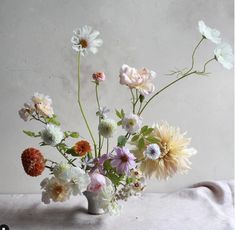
(94, 204)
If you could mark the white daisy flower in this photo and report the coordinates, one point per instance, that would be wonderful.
(209, 33)
(51, 135)
(224, 55)
(153, 151)
(132, 123)
(84, 40)
(107, 128)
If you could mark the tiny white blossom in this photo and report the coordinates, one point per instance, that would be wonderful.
(51, 135)
(153, 151)
(209, 33)
(224, 55)
(132, 123)
(84, 40)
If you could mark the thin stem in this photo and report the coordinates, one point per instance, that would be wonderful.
(38, 119)
(81, 109)
(133, 100)
(99, 135)
(204, 68)
(65, 156)
(167, 86)
(107, 145)
(193, 54)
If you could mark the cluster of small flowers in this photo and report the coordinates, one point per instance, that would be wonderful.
(134, 188)
(40, 105)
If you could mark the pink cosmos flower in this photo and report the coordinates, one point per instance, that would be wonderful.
(98, 181)
(98, 163)
(123, 161)
(99, 76)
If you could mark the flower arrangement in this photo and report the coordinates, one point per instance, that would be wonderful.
(117, 172)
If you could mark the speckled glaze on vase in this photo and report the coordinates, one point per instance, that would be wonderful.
(94, 204)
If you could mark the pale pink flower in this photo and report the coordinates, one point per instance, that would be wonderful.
(138, 79)
(98, 181)
(99, 76)
(25, 112)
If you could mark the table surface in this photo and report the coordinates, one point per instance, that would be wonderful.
(191, 208)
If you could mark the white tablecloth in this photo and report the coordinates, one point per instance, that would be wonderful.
(205, 206)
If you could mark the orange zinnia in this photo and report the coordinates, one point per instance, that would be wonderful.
(33, 161)
(82, 148)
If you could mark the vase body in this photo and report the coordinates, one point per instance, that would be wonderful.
(94, 203)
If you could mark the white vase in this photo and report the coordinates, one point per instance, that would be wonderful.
(94, 203)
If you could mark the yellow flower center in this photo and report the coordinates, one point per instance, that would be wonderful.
(57, 190)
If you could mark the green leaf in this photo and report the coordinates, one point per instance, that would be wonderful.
(72, 152)
(119, 123)
(31, 134)
(122, 141)
(148, 131)
(115, 178)
(71, 134)
(107, 165)
(141, 143)
(122, 113)
(135, 138)
(144, 128)
(118, 114)
(152, 139)
(53, 120)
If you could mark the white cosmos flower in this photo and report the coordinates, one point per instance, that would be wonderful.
(51, 135)
(209, 33)
(138, 79)
(75, 176)
(153, 151)
(224, 55)
(84, 40)
(132, 123)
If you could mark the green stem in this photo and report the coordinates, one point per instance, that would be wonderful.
(133, 100)
(193, 54)
(99, 135)
(81, 109)
(107, 145)
(167, 86)
(65, 156)
(204, 67)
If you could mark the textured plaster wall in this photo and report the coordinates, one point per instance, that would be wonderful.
(36, 55)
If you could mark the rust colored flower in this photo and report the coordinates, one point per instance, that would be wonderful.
(82, 148)
(33, 162)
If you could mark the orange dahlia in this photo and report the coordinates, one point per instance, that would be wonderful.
(33, 161)
(82, 148)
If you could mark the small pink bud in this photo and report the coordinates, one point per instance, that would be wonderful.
(99, 76)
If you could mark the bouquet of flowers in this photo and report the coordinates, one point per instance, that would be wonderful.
(92, 167)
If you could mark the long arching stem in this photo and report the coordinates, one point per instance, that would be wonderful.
(82, 111)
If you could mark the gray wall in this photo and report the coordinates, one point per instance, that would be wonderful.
(36, 55)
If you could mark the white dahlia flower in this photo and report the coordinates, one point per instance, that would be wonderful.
(51, 135)
(107, 128)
